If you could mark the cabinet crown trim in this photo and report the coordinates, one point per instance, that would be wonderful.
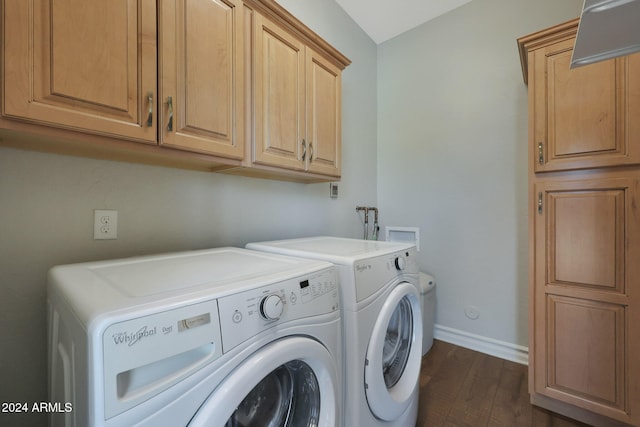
(279, 14)
(542, 38)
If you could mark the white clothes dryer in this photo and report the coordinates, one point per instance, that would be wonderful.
(382, 322)
(222, 337)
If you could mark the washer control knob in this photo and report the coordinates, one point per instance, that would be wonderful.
(271, 307)
(401, 263)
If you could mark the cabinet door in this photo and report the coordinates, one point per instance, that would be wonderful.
(583, 117)
(586, 294)
(201, 82)
(324, 115)
(88, 65)
(279, 98)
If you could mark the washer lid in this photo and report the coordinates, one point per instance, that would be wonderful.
(149, 276)
(334, 249)
(96, 288)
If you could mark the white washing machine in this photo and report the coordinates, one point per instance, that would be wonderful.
(382, 323)
(221, 337)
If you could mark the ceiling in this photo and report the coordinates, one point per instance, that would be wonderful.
(385, 19)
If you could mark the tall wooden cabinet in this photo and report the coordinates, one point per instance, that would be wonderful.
(584, 231)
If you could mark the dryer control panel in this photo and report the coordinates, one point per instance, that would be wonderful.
(246, 314)
(374, 273)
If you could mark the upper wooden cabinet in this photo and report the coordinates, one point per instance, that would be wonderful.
(583, 117)
(86, 65)
(206, 84)
(324, 115)
(201, 85)
(293, 99)
(278, 96)
(297, 98)
(91, 66)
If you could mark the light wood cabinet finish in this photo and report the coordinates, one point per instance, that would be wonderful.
(201, 84)
(584, 231)
(582, 117)
(92, 78)
(279, 96)
(585, 290)
(85, 65)
(324, 115)
(297, 103)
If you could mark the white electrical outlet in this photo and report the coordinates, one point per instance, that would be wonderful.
(105, 224)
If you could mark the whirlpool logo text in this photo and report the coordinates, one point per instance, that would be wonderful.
(362, 267)
(132, 338)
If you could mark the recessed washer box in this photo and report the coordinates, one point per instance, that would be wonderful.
(403, 234)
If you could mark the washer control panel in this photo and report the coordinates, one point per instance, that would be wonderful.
(246, 314)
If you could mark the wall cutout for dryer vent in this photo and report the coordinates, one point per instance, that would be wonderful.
(403, 234)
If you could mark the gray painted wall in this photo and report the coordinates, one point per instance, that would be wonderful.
(452, 157)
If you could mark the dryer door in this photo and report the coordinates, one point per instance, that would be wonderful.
(394, 354)
(290, 382)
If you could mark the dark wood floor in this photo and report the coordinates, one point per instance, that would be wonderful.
(462, 387)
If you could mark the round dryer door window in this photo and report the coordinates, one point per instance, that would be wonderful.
(289, 383)
(288, 396)
(397, 343)
(394, 354)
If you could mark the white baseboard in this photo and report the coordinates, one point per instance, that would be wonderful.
(504, 350)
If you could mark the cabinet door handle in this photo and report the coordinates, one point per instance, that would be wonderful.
(150, 116)
(170, 123)
(540, 153)
(540, 203)
(310, 151)
(304, 149)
